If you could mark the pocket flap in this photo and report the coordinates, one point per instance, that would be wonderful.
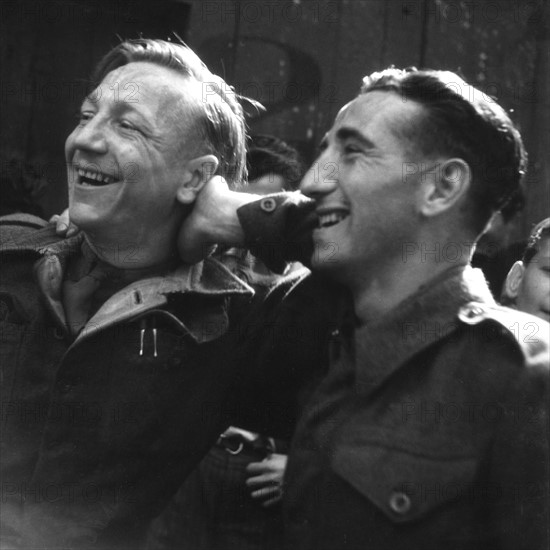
(403, 485)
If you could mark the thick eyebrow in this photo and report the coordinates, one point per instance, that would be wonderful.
(145, 118)
(351, 133)
(122, 107)
(119, 106)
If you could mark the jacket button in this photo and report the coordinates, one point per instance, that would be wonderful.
(268, 204)
(58, 333)
(400, 503)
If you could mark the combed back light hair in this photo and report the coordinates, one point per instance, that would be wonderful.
(221, 120)
(460, 121)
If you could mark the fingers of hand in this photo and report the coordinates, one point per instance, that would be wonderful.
(218, 181)
(266, 485)
(72, 230)
(258, 467)
(63, 225)
(272, 463)
(267, 493)
(272, 501)
(261, 480)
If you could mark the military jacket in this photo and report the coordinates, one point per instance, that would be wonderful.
(430, 429)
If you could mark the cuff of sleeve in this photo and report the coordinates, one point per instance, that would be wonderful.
(278, 228)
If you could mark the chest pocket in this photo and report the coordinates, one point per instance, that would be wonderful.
(404, 486)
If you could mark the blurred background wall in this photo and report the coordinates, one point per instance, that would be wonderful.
(303, 59)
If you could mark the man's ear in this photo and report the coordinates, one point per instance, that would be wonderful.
(196, 173)
(513, 280)
(449, 184)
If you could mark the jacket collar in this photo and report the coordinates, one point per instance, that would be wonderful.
(424, 318)
(208, 278)
(42, 241)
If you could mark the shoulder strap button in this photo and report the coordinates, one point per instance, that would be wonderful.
(268, 204)
(400, 503)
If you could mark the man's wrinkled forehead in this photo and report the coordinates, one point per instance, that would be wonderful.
(399, 117)
(169, 95)
(141, 80)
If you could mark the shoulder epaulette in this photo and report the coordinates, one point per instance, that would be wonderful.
(530, 332)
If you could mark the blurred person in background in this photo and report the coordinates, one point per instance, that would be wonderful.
(494, 252)
(21, 187)
(527, 286)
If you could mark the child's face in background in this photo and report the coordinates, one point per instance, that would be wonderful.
(534, 290)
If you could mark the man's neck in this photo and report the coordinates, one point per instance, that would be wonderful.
(388, 285)
(132, 256)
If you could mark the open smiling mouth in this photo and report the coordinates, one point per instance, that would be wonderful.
(94, 178)
(331, 218)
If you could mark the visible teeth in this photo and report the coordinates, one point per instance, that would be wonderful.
(326, 220)
(96, 176)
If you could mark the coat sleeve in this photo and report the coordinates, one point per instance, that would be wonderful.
(278, 228)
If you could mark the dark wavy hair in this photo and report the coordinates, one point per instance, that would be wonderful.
(270, 155)
(461, 121)
(221, 124)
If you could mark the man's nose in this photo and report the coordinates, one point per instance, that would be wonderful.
(321, 178)
(91, 136)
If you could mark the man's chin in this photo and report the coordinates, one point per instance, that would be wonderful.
(86, 217)
(324, 257)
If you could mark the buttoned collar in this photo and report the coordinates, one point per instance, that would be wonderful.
(424, 318)
(209, 278)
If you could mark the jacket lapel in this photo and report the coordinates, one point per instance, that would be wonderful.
(208, 278)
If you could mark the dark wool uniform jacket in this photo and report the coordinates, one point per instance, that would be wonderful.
(430, 430)
(96, 436)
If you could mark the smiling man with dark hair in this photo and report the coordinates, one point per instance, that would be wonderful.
(430, 429)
